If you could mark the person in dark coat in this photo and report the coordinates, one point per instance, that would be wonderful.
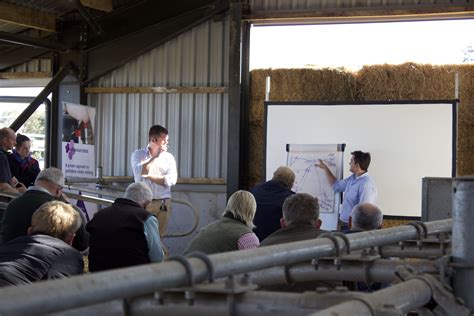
(270, 197)
(22, 166)
(45, 253)
(48, 187)
(125, 233)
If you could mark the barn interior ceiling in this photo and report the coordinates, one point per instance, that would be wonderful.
(93, 29)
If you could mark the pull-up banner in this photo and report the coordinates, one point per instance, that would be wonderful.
(78, 150)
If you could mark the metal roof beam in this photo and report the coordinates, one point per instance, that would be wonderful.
(32, 42)
(133, 18)
(27, 17)
(101, 5)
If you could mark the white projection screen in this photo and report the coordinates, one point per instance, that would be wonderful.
(408, 140)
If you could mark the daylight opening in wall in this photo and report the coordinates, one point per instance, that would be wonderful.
(352, 46)
(34, 127)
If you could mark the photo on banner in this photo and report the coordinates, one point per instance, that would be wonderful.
(78, 149)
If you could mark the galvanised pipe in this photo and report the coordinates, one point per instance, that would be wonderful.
(411, 251)
(379, 270)
(403, 297)
(463, 239)
(57, 295)
(258, 303)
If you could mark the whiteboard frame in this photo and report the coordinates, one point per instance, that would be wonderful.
(452, 103)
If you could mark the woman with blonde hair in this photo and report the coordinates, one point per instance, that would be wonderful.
(233, 231)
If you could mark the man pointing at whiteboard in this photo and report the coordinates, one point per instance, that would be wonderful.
(358, 188)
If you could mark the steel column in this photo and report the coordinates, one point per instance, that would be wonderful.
(234, 163)
(463, 237)
(57, 295)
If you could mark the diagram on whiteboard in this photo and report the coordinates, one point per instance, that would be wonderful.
(312, 179)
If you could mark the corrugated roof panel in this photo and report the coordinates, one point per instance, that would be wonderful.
(301, 5)
(197, 123)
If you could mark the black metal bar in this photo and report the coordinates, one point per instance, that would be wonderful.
(103, 59)
(87, 16)
(32, 42)
(234, 118)
(47, 134)
(21, 119)
(245, 106)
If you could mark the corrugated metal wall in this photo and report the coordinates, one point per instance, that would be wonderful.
(276, 5)
(34, 65)
(197, 122)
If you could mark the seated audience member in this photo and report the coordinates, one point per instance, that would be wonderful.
(300, 220)
(8, 182)
(233, 231)
(365, 217)
(48, 187)
(125, 233)
(270, 197)
(45, 253)
(24, 167)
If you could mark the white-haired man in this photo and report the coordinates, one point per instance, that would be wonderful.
(48, 187)
(125, 233)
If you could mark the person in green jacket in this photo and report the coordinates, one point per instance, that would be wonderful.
(233, 231)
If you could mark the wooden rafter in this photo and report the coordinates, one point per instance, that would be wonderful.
(102, 5)
(24, 75)
(27, 17)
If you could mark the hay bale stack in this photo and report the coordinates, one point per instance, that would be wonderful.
(408, 81)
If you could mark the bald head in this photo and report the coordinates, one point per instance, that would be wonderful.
(7, 138)
(284, 175)
(366, 216)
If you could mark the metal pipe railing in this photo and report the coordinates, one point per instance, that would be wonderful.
(107, 202)
(412, 251)
(379, 270)
(401, 298)
(195, 223)
(57, 295)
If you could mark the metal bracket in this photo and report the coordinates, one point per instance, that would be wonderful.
(205, 258)
(188, 293)
(419, 226)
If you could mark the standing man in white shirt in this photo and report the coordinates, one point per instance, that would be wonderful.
(156, 167)
(358, 188)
